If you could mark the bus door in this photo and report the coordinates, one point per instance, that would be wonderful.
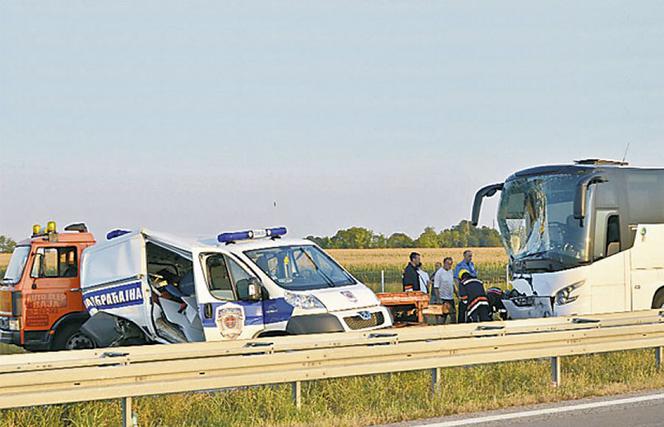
(610, 284)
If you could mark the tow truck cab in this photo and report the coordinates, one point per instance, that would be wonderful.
(149, 287)
(40, 295)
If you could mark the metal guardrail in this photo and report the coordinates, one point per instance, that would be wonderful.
(126, 372)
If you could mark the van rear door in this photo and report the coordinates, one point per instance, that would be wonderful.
(114, 280)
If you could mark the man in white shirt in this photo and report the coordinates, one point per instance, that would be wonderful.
(424, 281)
(443, 289)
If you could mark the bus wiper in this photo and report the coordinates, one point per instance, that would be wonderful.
(539, 254)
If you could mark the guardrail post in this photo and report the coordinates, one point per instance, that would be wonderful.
(436, 380)
(297, 394)
(127, 414)
(555, 371)
(659, 357)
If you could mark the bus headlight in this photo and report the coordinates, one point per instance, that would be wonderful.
(565, 295)
(303, 301)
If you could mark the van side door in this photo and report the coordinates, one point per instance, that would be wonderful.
(227, 308)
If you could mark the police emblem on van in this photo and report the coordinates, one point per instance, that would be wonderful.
(351, 296)
(230, 320)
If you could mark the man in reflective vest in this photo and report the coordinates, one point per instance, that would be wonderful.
(473, 296)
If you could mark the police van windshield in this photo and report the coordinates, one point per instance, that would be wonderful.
(536, 220)
(16, 265)
(300, 267)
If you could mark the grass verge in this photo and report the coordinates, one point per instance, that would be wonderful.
(371, 399)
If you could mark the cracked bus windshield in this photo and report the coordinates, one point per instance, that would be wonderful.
(536, 220)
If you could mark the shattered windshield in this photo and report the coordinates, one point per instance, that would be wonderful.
(300, 267)
(536, 220)
(16, 265)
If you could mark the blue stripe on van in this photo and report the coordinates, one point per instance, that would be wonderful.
(255, 313)
(114, 297)
(277, 310)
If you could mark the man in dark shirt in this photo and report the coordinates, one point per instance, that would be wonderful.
(411, 278)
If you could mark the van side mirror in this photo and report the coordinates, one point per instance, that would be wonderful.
(249, 289)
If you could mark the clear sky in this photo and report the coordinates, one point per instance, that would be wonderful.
(195, 117)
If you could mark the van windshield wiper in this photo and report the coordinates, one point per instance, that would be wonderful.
(329, 281)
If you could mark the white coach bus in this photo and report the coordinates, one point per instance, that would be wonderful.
(583, 238)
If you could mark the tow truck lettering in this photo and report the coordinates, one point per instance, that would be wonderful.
(116, 297)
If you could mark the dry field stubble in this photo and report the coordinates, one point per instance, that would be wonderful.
(387, 257)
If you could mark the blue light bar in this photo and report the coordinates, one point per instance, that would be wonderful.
(276, 232)
(234, 236)
(116, 233)
(251, 234)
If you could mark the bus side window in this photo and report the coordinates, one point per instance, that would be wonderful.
(613, 235)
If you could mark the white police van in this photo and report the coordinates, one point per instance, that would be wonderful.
(144, 286)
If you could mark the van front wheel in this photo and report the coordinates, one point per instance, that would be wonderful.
(69, 337)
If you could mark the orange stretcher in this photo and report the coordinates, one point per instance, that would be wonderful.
(405, 304)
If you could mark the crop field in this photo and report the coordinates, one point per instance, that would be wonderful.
(4, 260)
(350, 258)
(372, 265)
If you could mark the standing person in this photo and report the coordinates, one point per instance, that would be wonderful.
(411, 278)
(425, 281)
(473, 296)
(443, 288)
(437, 266)
(465, 264)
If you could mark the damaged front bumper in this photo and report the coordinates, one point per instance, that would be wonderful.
(528, 307)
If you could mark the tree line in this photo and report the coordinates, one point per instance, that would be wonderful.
(462, 235)
(7, 245)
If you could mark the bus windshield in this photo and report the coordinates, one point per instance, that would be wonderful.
(300, 267)
(16, 265)
(536, 221)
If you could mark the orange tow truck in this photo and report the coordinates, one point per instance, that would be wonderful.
(41, 307)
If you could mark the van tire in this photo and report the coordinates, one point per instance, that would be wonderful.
(658, 300)
(70, 337)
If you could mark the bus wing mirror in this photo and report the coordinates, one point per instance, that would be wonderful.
(582, 191)
(487, 191)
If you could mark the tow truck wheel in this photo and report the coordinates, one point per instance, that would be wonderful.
(71, 338)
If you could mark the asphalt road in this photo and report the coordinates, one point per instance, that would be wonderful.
(632, 410)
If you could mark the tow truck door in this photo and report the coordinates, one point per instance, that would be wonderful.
(53, 285)
(225, 310)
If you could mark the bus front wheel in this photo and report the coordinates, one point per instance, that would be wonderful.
(658, 301)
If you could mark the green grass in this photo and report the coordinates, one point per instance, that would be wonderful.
(10, 349)
(371, 399)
